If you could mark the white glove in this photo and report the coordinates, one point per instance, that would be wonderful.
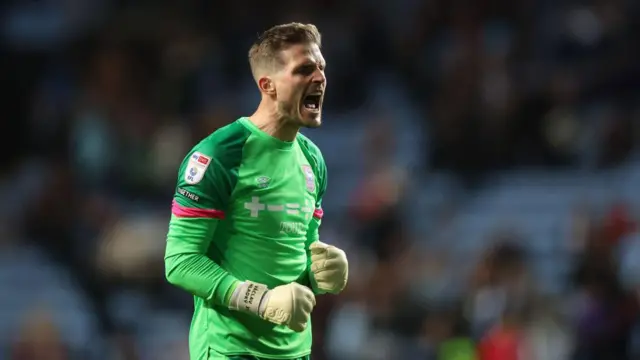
(329, 268)
(288, 305)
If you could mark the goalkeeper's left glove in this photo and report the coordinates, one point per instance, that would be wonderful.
(329, 268)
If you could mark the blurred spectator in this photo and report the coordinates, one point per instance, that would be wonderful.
(501, 288)
(606, 311)
(39, 339)
(376, 202)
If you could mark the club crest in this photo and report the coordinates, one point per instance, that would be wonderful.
(196, 167)
(309, 177)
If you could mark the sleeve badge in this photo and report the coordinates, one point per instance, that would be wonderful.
(196, 167)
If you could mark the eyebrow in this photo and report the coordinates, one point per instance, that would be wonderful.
(311, 63)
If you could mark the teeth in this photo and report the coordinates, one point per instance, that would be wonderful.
(312, 105)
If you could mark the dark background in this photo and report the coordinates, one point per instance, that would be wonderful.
(483, 172)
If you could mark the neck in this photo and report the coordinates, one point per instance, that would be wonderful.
(268, 119)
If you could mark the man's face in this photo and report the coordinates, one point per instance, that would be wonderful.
(300, 85)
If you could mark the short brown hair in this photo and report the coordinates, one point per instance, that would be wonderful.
(264, 53)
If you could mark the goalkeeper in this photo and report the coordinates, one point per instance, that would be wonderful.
(243, 236)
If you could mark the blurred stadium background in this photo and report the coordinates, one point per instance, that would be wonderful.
(484, 172)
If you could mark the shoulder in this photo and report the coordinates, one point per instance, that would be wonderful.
(224, 146)
(311, 150)
(228, 137)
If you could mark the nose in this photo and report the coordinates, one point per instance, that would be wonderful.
(319, 77)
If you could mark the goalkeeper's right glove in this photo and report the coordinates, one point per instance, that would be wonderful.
(288, 305)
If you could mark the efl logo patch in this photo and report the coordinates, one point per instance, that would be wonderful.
(310, 179)
(196, 167)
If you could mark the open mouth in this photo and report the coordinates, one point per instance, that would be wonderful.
(312, 102)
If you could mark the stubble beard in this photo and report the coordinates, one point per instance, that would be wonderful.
(293, 115)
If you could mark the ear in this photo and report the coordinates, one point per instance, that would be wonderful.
(266, 85)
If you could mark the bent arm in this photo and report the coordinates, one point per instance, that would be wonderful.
(187, 265)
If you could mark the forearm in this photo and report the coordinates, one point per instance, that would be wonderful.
(201, 277)
(312, 236)
(187, 266)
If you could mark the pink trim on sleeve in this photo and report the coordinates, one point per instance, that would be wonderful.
(318, 213)
(187, 212)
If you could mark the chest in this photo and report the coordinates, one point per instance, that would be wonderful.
(275, 195)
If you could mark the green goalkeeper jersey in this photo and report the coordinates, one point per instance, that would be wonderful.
(246, 207)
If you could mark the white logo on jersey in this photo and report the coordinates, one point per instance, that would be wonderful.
(255, 207)
(196, 167)
(310, 179)
(293, 228)
(263, 182)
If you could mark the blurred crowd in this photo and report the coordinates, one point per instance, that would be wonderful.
(433, 100)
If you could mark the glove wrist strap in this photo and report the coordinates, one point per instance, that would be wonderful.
(249, 297)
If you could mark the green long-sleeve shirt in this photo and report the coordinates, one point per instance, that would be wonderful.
(247, 206)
